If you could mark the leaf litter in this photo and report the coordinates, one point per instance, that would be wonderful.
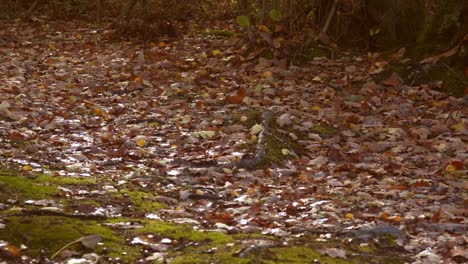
(170, 117)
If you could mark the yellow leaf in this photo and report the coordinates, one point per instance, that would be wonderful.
(52, 46)
(27, 168)
(227, 171)
(98, 111)
(267, 74)
(78, 36)
(450, 168)
(216, 52)
(317, 79)
(384, 216)
(162, 44)
(315, 108)
(285, 151)
(458, 126)
(205, 134)
(256, 129)
(263, 28)
(349, 216)
(303, 178)
(141, 142)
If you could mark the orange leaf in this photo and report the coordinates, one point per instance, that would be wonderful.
(454, 165)
(303, 178)
(237, 99)
(278, 28)
(98, 111)
(242, 92)
(264, 28)
(10, 251)
(450, 168)
(400, 187)
(384, 216)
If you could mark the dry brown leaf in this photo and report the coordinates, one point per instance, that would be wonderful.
(393, 80)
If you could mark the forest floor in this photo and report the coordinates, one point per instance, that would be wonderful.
(188, 150)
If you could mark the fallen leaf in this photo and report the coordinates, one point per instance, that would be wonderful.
(205, 134)
(393, 80)
(27, 168)
(333, 252)
(255, 129)
(318, 161)
(237, 99)
(9, 252)
(454, 165)
(141, 142)
(284, 119)
(90, 241)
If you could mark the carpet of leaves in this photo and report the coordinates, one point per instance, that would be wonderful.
(170, 116)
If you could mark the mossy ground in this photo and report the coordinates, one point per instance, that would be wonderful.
(219, 33)
(301, 57)
(140, 200)
(45, 231)
(453, 80)
(50, 233)
(279, 144)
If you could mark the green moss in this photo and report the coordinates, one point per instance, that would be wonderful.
(274, 151)
(209, 247)
(453, 80)
(59, 180)
(210, 254)
(15, 186)
(302, 57)
(182, 232)
(446, 26)
(323, 129)
(142, 201)
(298, 255)
(219, 33)
(19, 187)
(252, 118)
(53, 232)
(276, 140)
